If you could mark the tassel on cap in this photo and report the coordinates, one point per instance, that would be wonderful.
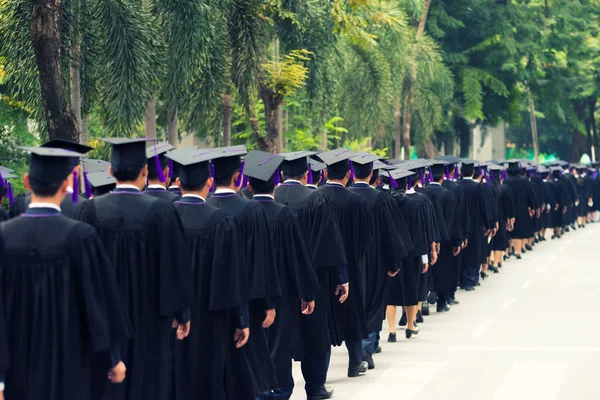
(276, 178)
(309, 179)
(245, 181)
(447, 173)
(410, 183)
(422, 176)
(212, 175)
(352, 174)
(322, 181)
(170, 169)
(393, 183)
(75, 194)
(86, 184)
(456, 172)
(9, 193)
(159, 171)
(238, 181)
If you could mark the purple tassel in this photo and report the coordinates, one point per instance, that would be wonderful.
(276, 177)
(456, 172)
(2, 180)
(422, 177)
(245, 181)
(238, 181)
(170, 169)
(492, 175)
(87, 185)
(322, 180)
(75, 194)
(487, 178)
(480, 171)
(159, 170)
(447, 173)
(310, 174)
(352, 174)
(410, 183)
(393, 183)
(10, 194)
(212, 175)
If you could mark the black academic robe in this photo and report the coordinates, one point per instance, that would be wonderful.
(297, 278)
(175, 190)
(572, 198)
(384, 255)
(202, 361)
(246, 193)
(145, 241)
(524, 200)
(480, 219)
(162, 194)
(357, 229)
(61, 305)
(4, 352)
(253, 369)
(461, 226)
(492, 205)
(443, 271)
(559, 195)
(4, 216)
(317, 331)
(67, 206)
(403, 289)
(504, 206)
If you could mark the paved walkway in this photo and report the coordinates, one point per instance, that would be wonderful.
(507, 340)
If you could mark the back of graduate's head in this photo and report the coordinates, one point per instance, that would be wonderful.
(48, 175)
(375, 178)
(130, 173)
(227, 171)
(362, 171)
(467, 170)
(258, 186)
(339, 170)
(153, 174)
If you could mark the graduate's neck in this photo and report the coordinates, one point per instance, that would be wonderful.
(340, 181)
(57, 199)
(202, 193)
(139, 183)
(157, 182)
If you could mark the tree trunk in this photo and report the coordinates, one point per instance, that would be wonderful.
(593, 130)
(75, 74)
(84, 134)
(397, 128)
(449, 145)
(150, 119)
(534, 133)
(406, 126)
(273, 103)
(260, 140)
(227, 113)
(45, 30)
(172, 128)
(423, 20)
(429, 149)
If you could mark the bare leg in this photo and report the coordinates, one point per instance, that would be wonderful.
(391, 318)
(411, 317)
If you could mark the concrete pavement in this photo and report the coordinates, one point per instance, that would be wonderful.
(529, 332)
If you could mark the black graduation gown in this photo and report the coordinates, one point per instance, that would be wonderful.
(443, 271)
(145, 241)
(4, 216)
(560, 199)
(504, 206)
(297, 278)
(523, 199)
(480, 219)
(403, 289)
(246, 193)
(461, 226)
(202, 360)
(572, 198)
(357, 229)
(162, 194)
(4, 353)
(384, 255)
(61, 306)
(252, 367)
(175, 190)
(492, 205)
(67, 207)
(317, 331)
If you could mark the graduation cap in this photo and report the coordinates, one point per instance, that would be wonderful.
(5, 169)
(194, 166)
(296, 163)
(399, 177)
(5, 185)
(440, 167)
(362, 163)
(101, 182)
(263, 166)
(451, 159)
(379, 165)
(128, 152)
(68, 145)
(157, 161)
(94, 166)
(316, 175)
(227, 160)
(335, 156)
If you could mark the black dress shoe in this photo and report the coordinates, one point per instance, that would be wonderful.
(432, 298)
(323, 393)
(378, 350)
(529, 248)
(419, 319)
(368, 358)
(469, 288)
(442, 308)
(403, 320)
(425, 308)
(392, 337)
(543, 238)
(483, 275)
(453, 302)
(494, 269)
(361, 369)
(410, 333)
(478, 283)
(499, 265)
(518, 256)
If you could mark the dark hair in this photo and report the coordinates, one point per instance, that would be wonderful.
(362, 171)
(193, 188)
(262, 187)
(374, 178)
(438, 176)
(152, 172)
(127, 174)
(225, 180)
(467, 170)
(296, 178)
(338, 170)
(2, 191)
(45, 190)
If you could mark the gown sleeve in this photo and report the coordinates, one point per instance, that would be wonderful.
(103, 310)
(4, 354)
(324, 236)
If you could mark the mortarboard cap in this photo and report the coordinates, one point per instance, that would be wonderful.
(334, 156)
(49, 166)
(451, 159)
(193, 166)
(262, 165)
(68, 145)
(128, 152)
(227, 160)
(296, 163)
(101, 182)
(94, 166)
(158, 149)
(362, 163)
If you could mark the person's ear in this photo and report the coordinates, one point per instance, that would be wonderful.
(326, 173)
(234, 179)
(144, 173)
(26, 181)
(250, 188)
(305, 176)
(209, 183)
(347, 177)
(166, 171)
(178, 183)
(110, 171)
(64, 186)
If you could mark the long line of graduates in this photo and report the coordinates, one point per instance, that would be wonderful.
(203, 273)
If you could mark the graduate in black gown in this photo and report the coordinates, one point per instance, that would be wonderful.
(296, 271)
(5, 192)
(481, 224)
(63, 314)
(252, 366)
(559, 201)
(525, 205)
(4, 356)
(403, 289)
(481, 176)
(102, 183)
(220, 309)
(74, 198)
(317, 171)
(158, 171)
(357, 229)
(174, 174)
(504, 206)
(386, 252)
(145, 241)
(317, 331)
